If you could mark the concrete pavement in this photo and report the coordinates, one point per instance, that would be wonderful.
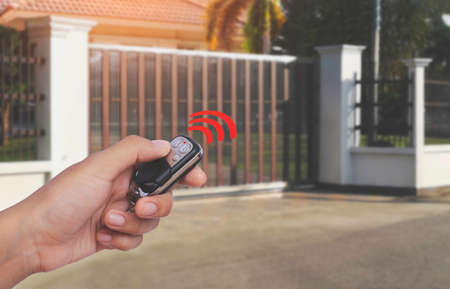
(268, 241)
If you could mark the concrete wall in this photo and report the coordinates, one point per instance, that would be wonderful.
(435, 167)
(19, 180)
(64, 114)
(383, 167)
(342, 161)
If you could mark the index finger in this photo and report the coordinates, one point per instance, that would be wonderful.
(131, 150)
(195, 178)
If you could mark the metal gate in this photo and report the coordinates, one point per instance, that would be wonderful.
(19, 124)
(301, 124)
(152, 92)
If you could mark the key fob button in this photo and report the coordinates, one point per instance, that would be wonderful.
(177, 142)
(185, 148)
(176, 158)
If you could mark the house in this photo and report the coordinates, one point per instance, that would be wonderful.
(65, 37)
(174, 23)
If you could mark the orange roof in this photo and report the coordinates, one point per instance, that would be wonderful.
(173, 11)
(202, 3)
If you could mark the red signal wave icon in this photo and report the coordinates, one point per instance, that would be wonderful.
(206, 131)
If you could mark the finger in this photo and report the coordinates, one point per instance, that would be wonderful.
(128, 223)
(155, 206)
(121, 185)
(118, 205)
(195, 178)
(113, 240)
(133, 149)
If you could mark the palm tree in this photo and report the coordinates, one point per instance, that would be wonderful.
(264, 21)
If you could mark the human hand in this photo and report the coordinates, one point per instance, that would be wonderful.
(84, 210)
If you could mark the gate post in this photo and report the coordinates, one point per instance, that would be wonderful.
(63, 79)
(340, 66)
(416, 71)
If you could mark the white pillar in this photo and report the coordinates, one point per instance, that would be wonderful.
(416, 71)
(63, 79)
(339, 67)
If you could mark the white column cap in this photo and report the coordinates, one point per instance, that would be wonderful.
(337, 49)
(417, 62)
(58, 25)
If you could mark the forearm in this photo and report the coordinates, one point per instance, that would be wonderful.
(16, 251)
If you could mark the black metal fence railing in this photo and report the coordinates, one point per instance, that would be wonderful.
(300, 122)
(19, 131)
(386, 120)
(437, 112)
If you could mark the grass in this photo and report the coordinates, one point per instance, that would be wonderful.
(402, 141)
(18, 149)
(267, 156)
(387, 141)
(437, 141)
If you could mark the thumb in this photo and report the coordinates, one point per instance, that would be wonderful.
(108, 164)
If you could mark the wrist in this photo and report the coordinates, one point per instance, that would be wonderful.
(13, 269)
(18, 255)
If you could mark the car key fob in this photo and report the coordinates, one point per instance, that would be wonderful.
(157, 177)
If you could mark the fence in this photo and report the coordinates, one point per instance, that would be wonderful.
(152, 92)
(300, 118)
(19, 129)
(386, 120)
(437, 111)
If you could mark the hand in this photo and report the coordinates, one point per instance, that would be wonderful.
(83, 210)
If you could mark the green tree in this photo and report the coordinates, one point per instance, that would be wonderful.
(264, 22)
(312, 23)
(438, 48)
(407, 27)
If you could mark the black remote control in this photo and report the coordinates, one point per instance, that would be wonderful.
(157, 177)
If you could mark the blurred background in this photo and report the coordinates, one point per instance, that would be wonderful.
(340, 171)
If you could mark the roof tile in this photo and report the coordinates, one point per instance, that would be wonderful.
(173, 11)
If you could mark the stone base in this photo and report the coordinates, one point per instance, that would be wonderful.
(386, 191)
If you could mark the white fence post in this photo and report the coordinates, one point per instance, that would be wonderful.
(416, 71)
(339, 65)
(63, 78)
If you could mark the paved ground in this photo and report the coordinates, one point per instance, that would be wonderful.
(268, 241)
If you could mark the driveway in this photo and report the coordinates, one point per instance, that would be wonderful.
(294, 240)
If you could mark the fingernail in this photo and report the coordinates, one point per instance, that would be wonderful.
(116, 219)
(149, 209)
(104, 237)
(160, 143)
